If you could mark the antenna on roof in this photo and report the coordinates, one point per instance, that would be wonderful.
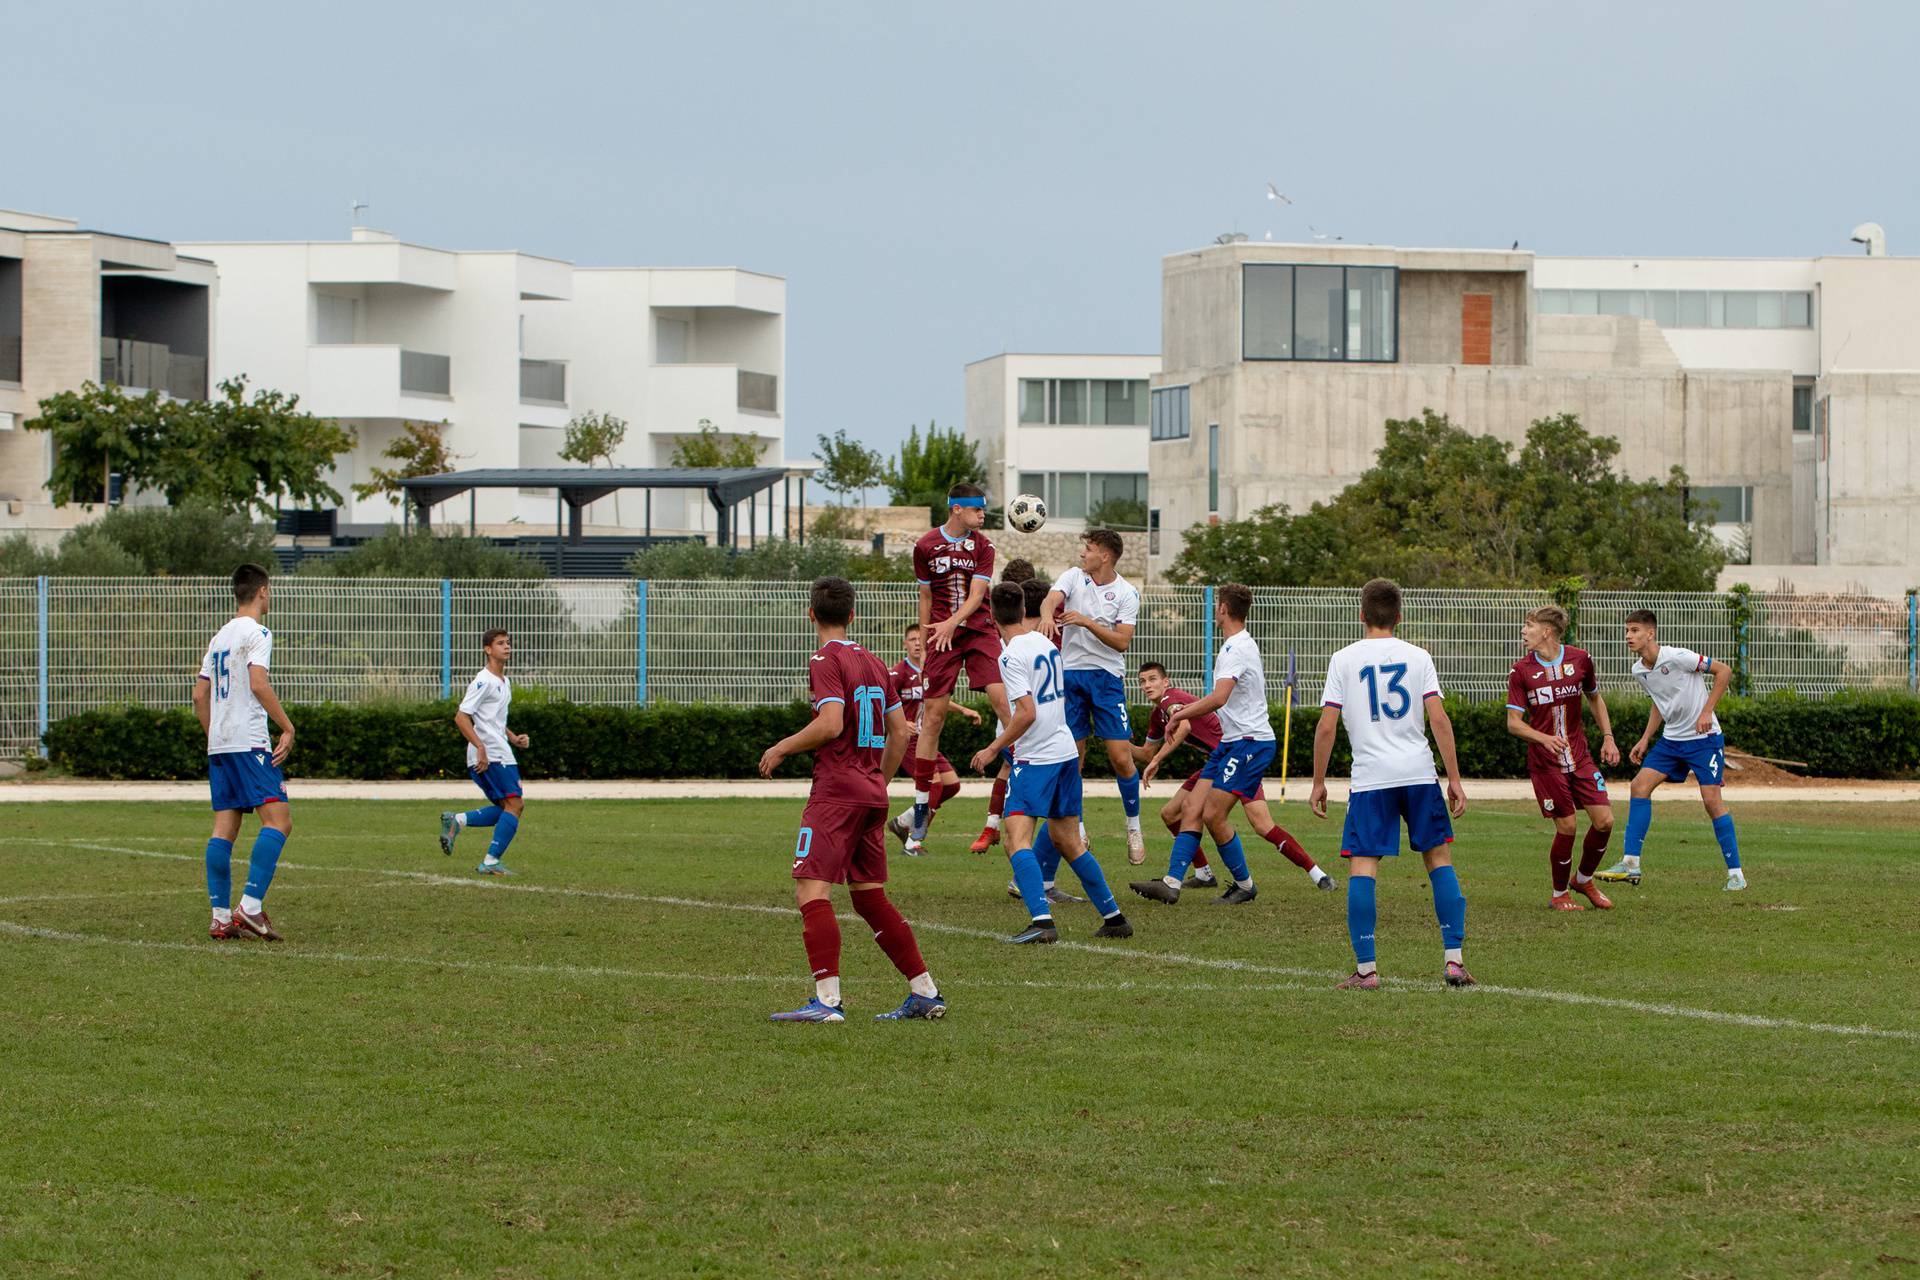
(357, 208)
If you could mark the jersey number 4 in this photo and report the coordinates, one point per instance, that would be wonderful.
(1396, 673)
(869, 731)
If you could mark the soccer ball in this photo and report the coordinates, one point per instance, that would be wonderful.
(1026, 513)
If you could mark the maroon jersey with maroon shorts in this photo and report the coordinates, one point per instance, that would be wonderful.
(910, 682)
(842, 832)
(947, 567)
(1550, 695)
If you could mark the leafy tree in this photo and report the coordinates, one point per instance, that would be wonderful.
(422, 553)
(592, 436)
(420, 449)
(1442, 507)
(232, 452)
(927, 469)
(847, 466)
(188, 541)
(707, 447)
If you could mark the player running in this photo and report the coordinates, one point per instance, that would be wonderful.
(858, 736)
(1544, 693)
(1385, 689)
(233, 700)
(954, 563)
(1093, 610)
(1235, 767)
(482, 721)
(1046, 766)
(910, 683)
(1204, 733)
(1017, 570)
(1691, 740)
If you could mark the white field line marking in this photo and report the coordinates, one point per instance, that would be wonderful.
(1659, 1009)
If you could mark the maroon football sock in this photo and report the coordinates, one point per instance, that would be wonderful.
(821, 932)
(1562, 861)
(997, 802)
(1199, 860)
(922, 774)
(1593, 849)
(942, 792)
(1296, 853)
(890, 930)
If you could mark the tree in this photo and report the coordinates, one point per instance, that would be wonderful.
(927, 469)
(232, 452)
(708, 448)
(1442, 507)
(193, 540)
(595, 435)
(420, 449)
(847, 466)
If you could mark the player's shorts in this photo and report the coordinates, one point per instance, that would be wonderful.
(977, 651)
(1259, 792)
(244, 780)
(1239, 765)
(498, 782)
(842, 843)
(1561, 793)
(1044, 790)
(940, 762)
(1097, 703)
(1374, 817)
(1705, 757)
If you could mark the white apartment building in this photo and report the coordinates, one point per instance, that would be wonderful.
(505, 348)
(1069, 428)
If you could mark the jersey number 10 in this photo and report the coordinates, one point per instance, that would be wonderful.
(869, 730)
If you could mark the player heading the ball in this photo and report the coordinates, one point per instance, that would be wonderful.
(482, 721)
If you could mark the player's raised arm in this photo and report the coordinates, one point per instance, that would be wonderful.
(1048, 608)
(1222, 690)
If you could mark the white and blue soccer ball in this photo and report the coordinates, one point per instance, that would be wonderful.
(1026, 513)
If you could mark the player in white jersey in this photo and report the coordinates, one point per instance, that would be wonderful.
(482, 721)
(1045, 783)
(1385, 690)
(1690, 741)
(1234, 769)
(234, 699)
(1094, 610)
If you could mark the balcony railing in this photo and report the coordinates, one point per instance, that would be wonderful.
(426, 374)
(9, 357)
(153, 367)
(543, 381)
(759, 392)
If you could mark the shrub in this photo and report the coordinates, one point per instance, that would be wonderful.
(776, 560)
(192, 540)
(423, 554)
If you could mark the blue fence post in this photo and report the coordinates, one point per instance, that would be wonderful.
(640, 642)
(1206, 640)
(446, 637)
(43, 664)
(1913, 641)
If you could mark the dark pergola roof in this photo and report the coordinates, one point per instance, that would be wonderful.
(725, 486)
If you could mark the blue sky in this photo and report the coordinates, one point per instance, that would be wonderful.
(942, 182)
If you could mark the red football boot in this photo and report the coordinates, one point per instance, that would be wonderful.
(1564, 902)
(989, 837)
(220, 930)
(259, 926)
(1592, 890)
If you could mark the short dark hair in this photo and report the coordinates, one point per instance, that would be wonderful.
(247, 581)
(965, 490)
(1153, 666)
(1009, 604)
(1237, 599)
(1018, 570)
(909, 629)
(1645, 618)
(1035, 593)
(832, 602)
(491, 634)
(1380, 603)
(1106, 540)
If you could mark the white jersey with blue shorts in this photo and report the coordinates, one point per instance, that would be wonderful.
(486, 703)
(1677, 683)
(240, 769)
(1247, 743)
(1381, 686)
(1096, 674)
(1046, 761)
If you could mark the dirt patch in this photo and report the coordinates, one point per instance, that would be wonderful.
(1745, 771)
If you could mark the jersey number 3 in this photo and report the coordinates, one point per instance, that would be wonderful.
(1396, 673)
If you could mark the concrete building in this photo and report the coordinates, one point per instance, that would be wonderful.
(81, 306)
(1282, 362)
(1070, 428)
(505, 348)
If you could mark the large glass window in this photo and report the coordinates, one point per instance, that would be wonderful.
(1117, 497)
(1033, 400)
(1733, 504)
(1685, 308)
(1169, 420)
(1798, 309)
(1099, 402)
(1803, 406)
(1294, 312)
(1743, 310)
(1070, 402)
(1071, 503)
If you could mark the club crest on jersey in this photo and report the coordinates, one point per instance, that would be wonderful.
(1665, 669)
(1566, 669)
(967, 545)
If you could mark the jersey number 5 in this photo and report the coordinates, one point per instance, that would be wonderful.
(1396, 673)
(868, 730)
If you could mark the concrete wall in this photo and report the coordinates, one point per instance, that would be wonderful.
(1867, 491)
(1870, 310)
(1430, 314)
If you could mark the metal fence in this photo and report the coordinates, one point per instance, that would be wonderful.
(72, 644)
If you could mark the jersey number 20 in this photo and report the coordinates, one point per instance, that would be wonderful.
(1047, 667)
(1396, 673)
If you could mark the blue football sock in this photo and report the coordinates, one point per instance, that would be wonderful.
(264, 858)
(1729, 847)
(220, 872)
(1026, 874)
(1185, 845)
(1094, 881)
(1639, 818)
(1449, 907)
(503, 834)
(1046, 854)
(482, 817)
(1130, 794)
(1236, 859)
(1360, 917)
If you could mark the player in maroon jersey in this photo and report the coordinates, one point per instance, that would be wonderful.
(858, 735)
(1543, 708)
(910, 682)
(1204, 732)
(954, 564)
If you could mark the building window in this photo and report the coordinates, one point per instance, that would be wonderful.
(1685, 308)
(1115, 498)
(1169, 420)
(1803, 406)
(1296, 312)
(1213, 468)
(1083, 402)
(1730, 504)
(1153, 532)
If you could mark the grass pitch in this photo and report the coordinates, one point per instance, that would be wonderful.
(572, 1073)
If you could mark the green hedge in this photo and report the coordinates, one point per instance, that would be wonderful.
(1850, 736)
